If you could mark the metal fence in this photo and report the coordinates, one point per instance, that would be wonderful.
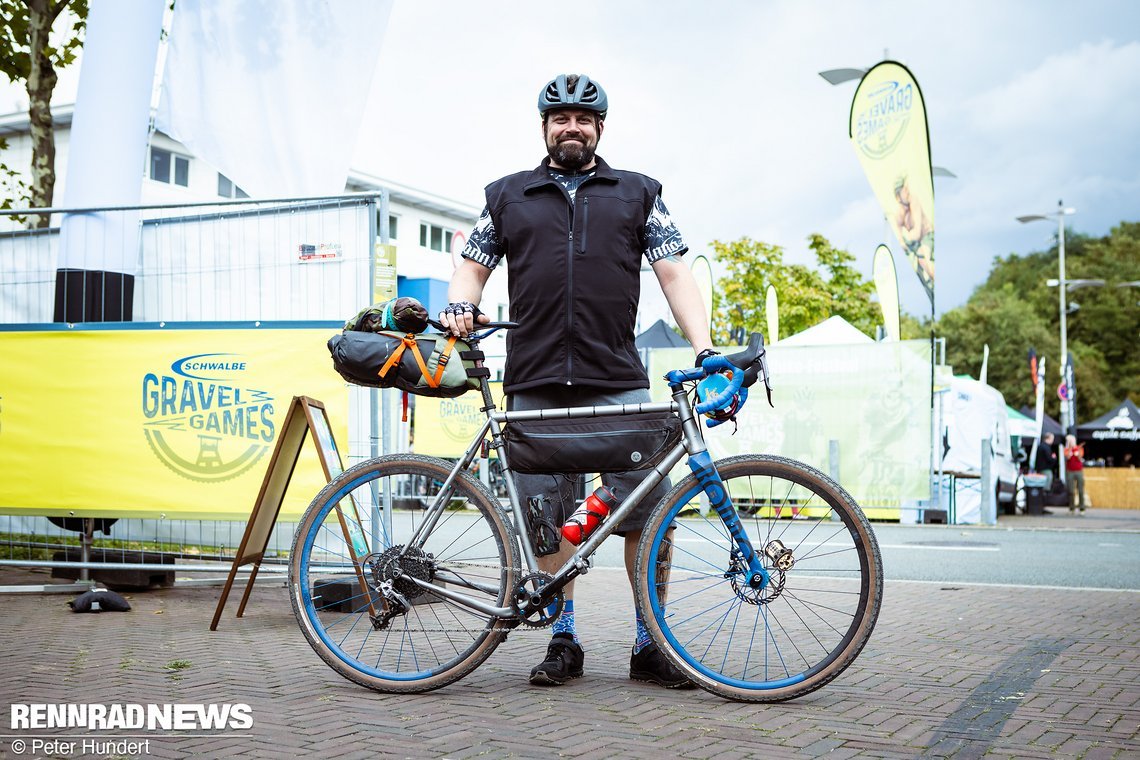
(245, 261)
(233, 260)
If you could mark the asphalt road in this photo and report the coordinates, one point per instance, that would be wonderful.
(961, 554)
(1000, 556)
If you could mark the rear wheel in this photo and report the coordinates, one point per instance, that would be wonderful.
(344, 554)
(775, 643)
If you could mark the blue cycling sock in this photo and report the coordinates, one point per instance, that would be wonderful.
(565, 621)
(643, 639)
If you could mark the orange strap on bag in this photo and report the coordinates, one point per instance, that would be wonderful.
(409, 341)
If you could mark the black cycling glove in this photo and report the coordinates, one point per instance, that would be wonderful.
(704, 355)
(462, 307)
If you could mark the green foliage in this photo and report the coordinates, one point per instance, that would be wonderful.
(14, 190)
(1001, 318)
(17, 30)
(31, 49)
(1015, 310)
(806, 296)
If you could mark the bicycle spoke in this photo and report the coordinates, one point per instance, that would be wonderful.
(395, 633)
(789, 635)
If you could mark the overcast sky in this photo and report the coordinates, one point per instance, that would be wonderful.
(1028, 102)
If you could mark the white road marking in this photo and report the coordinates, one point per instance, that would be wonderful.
(928, 547)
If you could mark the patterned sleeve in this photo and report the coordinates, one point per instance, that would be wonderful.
(662, 239)
(483, 244)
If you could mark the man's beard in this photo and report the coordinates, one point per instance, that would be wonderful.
(571, 154)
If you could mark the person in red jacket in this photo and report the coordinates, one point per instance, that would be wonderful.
(1075, 473)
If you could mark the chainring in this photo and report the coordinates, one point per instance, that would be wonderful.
(535, 616)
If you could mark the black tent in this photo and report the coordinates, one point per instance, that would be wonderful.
(1112, 435)
(1120, 424)
(1048, 424)
(660, 335)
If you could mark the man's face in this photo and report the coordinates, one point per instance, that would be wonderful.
(572, 136)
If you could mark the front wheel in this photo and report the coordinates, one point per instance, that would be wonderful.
(352, 569)
(794, 635)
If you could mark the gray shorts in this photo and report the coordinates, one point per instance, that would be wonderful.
(560, 488)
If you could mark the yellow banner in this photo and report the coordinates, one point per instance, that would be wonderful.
(444, 427)
(772, 312)
(888, 129)
(887, 286)
(178, 424)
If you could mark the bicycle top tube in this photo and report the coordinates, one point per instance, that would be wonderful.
(744, 368)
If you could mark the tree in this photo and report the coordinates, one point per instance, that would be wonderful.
(13, 188)
(27, 54)
(806, 296)
(1014, 310)
(1008, 323)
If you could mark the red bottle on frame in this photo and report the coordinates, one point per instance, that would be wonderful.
(589, 516)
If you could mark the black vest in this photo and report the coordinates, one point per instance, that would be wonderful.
(573, 276)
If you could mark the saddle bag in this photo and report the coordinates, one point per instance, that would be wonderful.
(591, 444)
(426, 365)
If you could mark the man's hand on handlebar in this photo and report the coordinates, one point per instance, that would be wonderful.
(704, 355)
(461, 317)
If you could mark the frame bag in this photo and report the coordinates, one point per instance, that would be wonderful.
(591, 444)
(427, 365)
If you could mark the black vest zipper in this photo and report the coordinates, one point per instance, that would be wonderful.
(569, 291)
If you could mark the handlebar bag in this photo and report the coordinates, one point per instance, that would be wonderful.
(591, 444)
(424, 364)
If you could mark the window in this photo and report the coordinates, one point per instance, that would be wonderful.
(435, 237)
(167, 167)
(393, 225)
(227, 189)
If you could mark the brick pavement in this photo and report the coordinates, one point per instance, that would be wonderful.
(951, 671)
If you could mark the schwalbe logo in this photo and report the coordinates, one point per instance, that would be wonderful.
(203, 421)
(190, 366)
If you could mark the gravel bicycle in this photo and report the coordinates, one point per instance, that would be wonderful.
(749, 604)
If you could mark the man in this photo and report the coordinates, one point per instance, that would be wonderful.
(1046, 463)
(575, 232)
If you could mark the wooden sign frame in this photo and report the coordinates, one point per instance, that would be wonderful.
(305, 415)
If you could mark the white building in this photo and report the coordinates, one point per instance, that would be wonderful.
(426, 229)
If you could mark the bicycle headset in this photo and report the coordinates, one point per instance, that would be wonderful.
(573, 91)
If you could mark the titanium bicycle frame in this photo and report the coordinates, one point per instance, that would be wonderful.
(699, 461)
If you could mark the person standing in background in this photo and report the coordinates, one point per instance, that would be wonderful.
(1046, 463)
(1075, 473)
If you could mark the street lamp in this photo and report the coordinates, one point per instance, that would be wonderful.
(839, 76)
(1060, 213)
